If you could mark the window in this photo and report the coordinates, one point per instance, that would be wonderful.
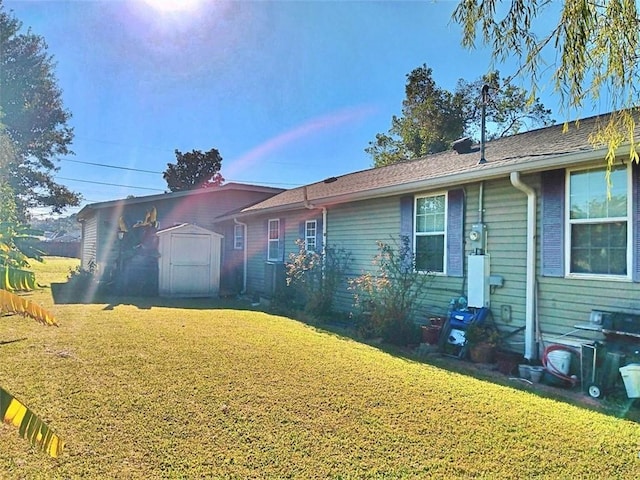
(238, 237)
(430, 231)
(310, 228)
(273, 243)
(598, 222)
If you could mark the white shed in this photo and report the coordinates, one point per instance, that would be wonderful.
(189, 263)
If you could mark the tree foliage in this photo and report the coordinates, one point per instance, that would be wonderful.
(17, 240)
(508, 108)
(35, 120)
(597, 44)
(194, 170)
(433, 118)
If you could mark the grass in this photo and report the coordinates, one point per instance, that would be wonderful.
(168, 392)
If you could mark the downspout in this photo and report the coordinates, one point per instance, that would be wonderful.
(308, 205)
(530, 351)
(245, 256)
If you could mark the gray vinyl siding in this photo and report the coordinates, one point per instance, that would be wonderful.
(89, 239)
(357, 227)
(257, 243)
(561, 302)
(505, 210)
(565, 302)
(200, 208)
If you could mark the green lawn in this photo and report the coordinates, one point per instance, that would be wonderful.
(160, 392)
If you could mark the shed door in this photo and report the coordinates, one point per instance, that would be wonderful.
(190, 269)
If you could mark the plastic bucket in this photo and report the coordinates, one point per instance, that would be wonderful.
(523, 371)
(559, 361)
(536, 373)
(631, 377)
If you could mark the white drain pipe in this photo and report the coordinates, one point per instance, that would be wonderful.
(244, 257)
(308, 205)
(530, 315)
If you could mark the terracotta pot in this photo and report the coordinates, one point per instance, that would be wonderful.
(437, 321)
(482, 353)
(431, 334)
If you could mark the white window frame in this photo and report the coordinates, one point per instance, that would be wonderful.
(238, 237)
(443, 233)
(569, 222)
(273, 241)
(310, 241)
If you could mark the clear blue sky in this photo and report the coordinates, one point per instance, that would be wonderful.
(288, 92)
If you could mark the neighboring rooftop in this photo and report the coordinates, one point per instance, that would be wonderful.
(183, 193)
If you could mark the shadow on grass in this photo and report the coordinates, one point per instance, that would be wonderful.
(146, 303)
(615, 403)
(93, 294)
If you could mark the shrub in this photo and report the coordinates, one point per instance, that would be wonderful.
(315, 278)
(389, 296)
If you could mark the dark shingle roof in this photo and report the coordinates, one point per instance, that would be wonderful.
(184, 193)
(529, 151)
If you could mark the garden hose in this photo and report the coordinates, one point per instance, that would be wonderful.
(552, 369)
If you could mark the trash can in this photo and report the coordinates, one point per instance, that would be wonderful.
(631, 377)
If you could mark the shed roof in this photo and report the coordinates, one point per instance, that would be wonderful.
(187, 228)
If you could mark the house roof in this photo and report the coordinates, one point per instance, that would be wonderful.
(536, 150)
(82, 214)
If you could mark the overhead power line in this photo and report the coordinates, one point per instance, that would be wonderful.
(110, 184)
(252, 182)
(112, 166)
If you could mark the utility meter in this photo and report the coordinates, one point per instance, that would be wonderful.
(478, 237)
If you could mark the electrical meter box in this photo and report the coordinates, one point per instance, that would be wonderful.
(478, 285)
(478, 237)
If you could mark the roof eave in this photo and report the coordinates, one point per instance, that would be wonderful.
(485, 172)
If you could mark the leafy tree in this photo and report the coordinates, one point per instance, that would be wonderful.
(597, 44)
(433, 118)
(194, 170)
(34, 117)
(17, 240)
(508, 109)
(68, 225)
(8, 207)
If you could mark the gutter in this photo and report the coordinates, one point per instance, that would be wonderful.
(530, 351)
(245, 257)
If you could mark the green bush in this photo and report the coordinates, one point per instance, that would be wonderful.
(388, 297)
(315, 278)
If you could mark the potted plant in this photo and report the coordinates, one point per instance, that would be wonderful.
(431, 331)
(481, 343)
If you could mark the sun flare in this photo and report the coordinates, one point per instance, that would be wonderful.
(172, 5)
